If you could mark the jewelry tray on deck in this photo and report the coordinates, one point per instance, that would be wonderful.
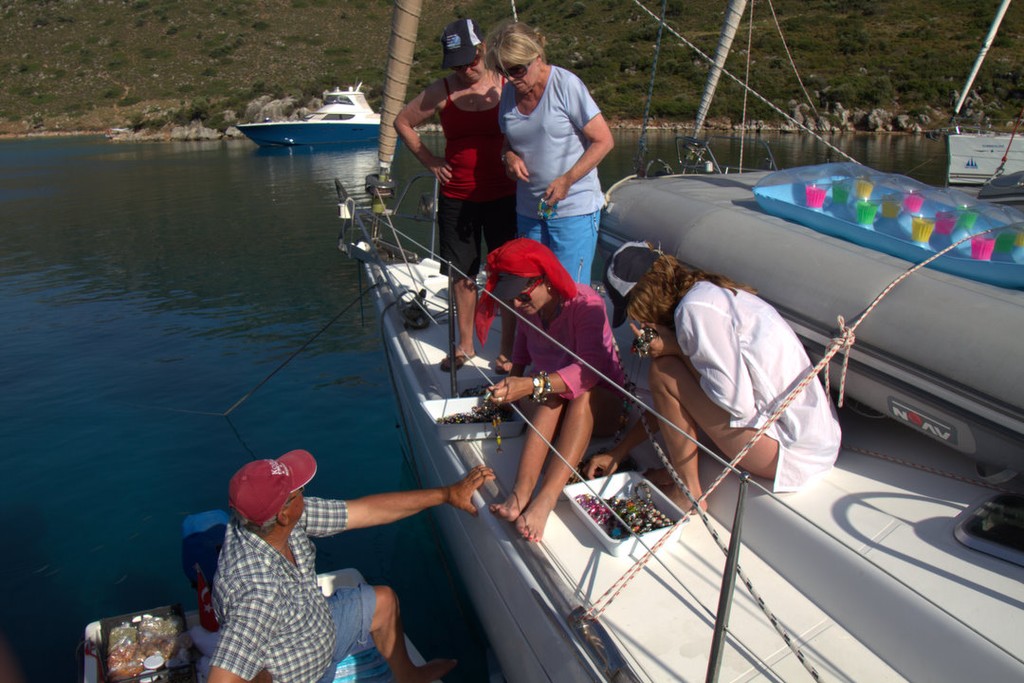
(623, 484)
(510, 427)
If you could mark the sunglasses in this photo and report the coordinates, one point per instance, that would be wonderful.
(516, 70)
(525, 296)
(463, 67)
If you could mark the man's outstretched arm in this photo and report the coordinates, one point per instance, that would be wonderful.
(384, 508)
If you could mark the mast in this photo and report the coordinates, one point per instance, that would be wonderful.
(733, 15)
(404, 25)
(981, 56)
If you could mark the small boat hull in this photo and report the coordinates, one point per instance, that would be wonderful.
(293, 133)
(975, 157)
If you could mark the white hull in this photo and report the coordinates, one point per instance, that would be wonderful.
(862, 570)
(976, 157)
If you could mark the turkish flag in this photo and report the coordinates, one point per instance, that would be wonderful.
(207, 617)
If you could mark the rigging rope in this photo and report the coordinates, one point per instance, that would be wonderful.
(1009, 143)
(641, 151)
(753, 92)
(746, 80)
(789, 55)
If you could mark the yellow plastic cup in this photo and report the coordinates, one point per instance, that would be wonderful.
(921, 229)
(862, 188)
(890, 206)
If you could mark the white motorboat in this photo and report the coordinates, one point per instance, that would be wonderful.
(975, 154)
(345, 117)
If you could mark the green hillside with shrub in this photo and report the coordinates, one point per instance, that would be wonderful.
(94, 64)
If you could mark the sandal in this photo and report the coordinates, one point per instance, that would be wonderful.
(460, 360)
(502, 365)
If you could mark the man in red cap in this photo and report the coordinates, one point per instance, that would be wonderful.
(275, 622)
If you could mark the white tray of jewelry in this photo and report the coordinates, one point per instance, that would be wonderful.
(452, 415)
(623, 485)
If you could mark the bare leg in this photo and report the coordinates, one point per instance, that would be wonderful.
(573, 438)
(679, 398)
(535, 451)
(389, 637)
(465, 307)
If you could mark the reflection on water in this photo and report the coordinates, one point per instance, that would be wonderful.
(914, 155)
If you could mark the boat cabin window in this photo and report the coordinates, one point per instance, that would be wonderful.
(995, 527)
(339, 99)
(338, 117)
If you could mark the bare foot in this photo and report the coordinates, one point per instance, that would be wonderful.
(532, 521)
(509, 510)
(431, 671)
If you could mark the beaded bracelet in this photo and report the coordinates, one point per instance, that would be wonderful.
(541, 387)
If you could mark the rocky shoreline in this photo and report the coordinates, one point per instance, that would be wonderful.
(151, 126)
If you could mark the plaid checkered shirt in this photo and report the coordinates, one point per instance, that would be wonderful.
(273, 615)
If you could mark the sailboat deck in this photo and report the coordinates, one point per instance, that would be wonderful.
(853, 621)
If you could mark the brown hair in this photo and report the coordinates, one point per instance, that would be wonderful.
(655, 296)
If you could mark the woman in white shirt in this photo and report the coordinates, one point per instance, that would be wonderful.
(723, 360)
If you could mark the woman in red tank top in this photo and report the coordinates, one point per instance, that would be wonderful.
(477, 198)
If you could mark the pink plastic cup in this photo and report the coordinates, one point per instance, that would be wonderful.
(912, 202)
(981, 247)
(815, 196)
(944, 222)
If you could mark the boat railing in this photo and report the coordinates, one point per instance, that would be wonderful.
(697, 155)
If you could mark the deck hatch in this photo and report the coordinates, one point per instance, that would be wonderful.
(995, 527)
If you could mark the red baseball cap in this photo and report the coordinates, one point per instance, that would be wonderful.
(258, 490)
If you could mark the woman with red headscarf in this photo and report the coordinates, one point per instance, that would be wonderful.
(565, 341)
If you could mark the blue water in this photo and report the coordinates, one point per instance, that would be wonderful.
(144, 289)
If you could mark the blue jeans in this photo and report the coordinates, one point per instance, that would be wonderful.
(573, 239)
(352, 608)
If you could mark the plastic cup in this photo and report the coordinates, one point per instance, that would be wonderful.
(944, 222)
(862, 188)
(841, 191)
(981, 247)
(815, 196)
(966, 219)
(866, 212)
(1004, 243)
(890, 206)
(921, 229)
(912, 202)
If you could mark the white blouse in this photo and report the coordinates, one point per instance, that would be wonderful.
(749, 359)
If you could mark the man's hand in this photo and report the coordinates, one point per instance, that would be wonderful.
(459, 495)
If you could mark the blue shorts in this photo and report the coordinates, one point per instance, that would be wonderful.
(573, 239)
(352, 608)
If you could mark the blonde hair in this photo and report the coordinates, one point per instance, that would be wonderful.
(655, 296)
(512, 43)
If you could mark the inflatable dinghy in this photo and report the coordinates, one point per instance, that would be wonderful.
(940, 353)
